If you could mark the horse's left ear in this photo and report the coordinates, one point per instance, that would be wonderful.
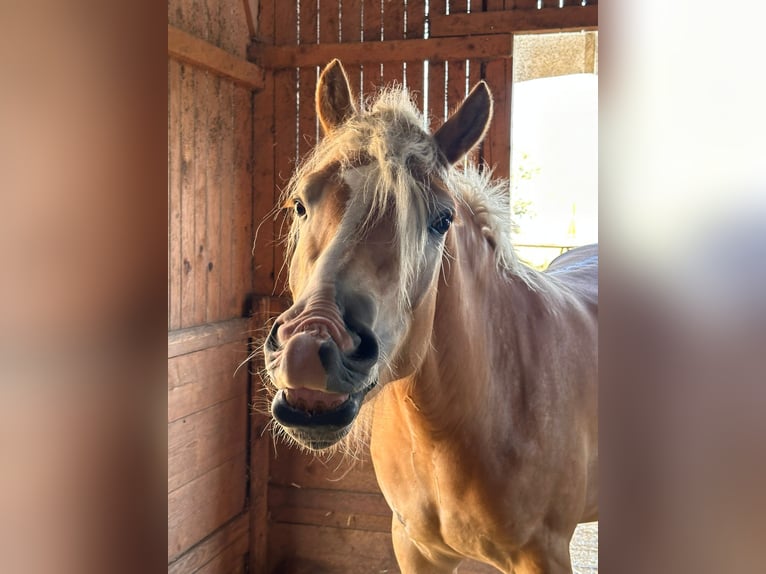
(334, 101)
(467, 126)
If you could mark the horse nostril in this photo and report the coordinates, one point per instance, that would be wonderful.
(272, 341)
(367, 351)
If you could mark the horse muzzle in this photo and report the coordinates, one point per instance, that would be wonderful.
(322, 367)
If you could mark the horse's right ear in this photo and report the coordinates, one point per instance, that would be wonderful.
(334, 101)
(467, 126)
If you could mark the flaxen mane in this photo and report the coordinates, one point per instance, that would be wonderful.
(397, 160)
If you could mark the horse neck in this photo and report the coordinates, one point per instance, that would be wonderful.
(480, 329)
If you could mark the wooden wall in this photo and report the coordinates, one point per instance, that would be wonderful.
(241, 80)
(210, 286)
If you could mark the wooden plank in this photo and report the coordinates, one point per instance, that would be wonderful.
(204, 504)
(205, 336)
(199, 263)
(264, 30)
(336, 508)
(329, 25)
(231, 560)
(456, 69)
(210, 548)
(351, 31)
(437, 87)
(513, 21)
(242, 221)
(393, 29)
(310, 549)
(372, 29)
(214, 177)
(199, 380)
(200, 442)
(372, 53)
(228, 208)
(414, 71)
(285, 118)
(187, 289)
(263, 189)
(307, 118)
(293, 468)
(175, 261)
(497, 147)
(188, 48)
(498, 75)
(304, 549)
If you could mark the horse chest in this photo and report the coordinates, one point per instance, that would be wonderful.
(442, 509)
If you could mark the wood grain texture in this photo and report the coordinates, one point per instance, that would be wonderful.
(263, 188)
(186, 135)
(175, 260)
(513, 21)
(374, 53)
(198, 380)
(437, 86)
(210, 549)
(205, 439)
(267, 308)
(201, 337)
(393, 29)
(496, 149)
(351, 31)
(201, 506)
(372, 30)
(303, 549)
(188, 48)
(214, 176)
(336, 508)
(307, 77)
(229, 208)
(290, 467)
(415, 30)
(242, 218)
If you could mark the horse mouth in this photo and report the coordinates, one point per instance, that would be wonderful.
(315, 419)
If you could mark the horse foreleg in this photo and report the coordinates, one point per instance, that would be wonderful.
(414, 561)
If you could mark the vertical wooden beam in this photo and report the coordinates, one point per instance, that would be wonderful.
(186, 134)
(436, 85)
(264, 148)
(286, 125)
(215, 141)
(393, 29)
(175, 260)
(415, 29)
(372, 25)
(351, 31)
(264, 161)
(199, 263)
(307, 120)
(498, 75)
(226, 260)
(243, 191)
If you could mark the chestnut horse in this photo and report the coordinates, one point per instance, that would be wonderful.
(477, 373)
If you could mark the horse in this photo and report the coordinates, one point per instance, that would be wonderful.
(415, 324)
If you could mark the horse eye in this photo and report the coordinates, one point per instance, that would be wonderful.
(300, 209)
(441, 225)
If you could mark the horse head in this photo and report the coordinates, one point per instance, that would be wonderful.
(371, 211)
